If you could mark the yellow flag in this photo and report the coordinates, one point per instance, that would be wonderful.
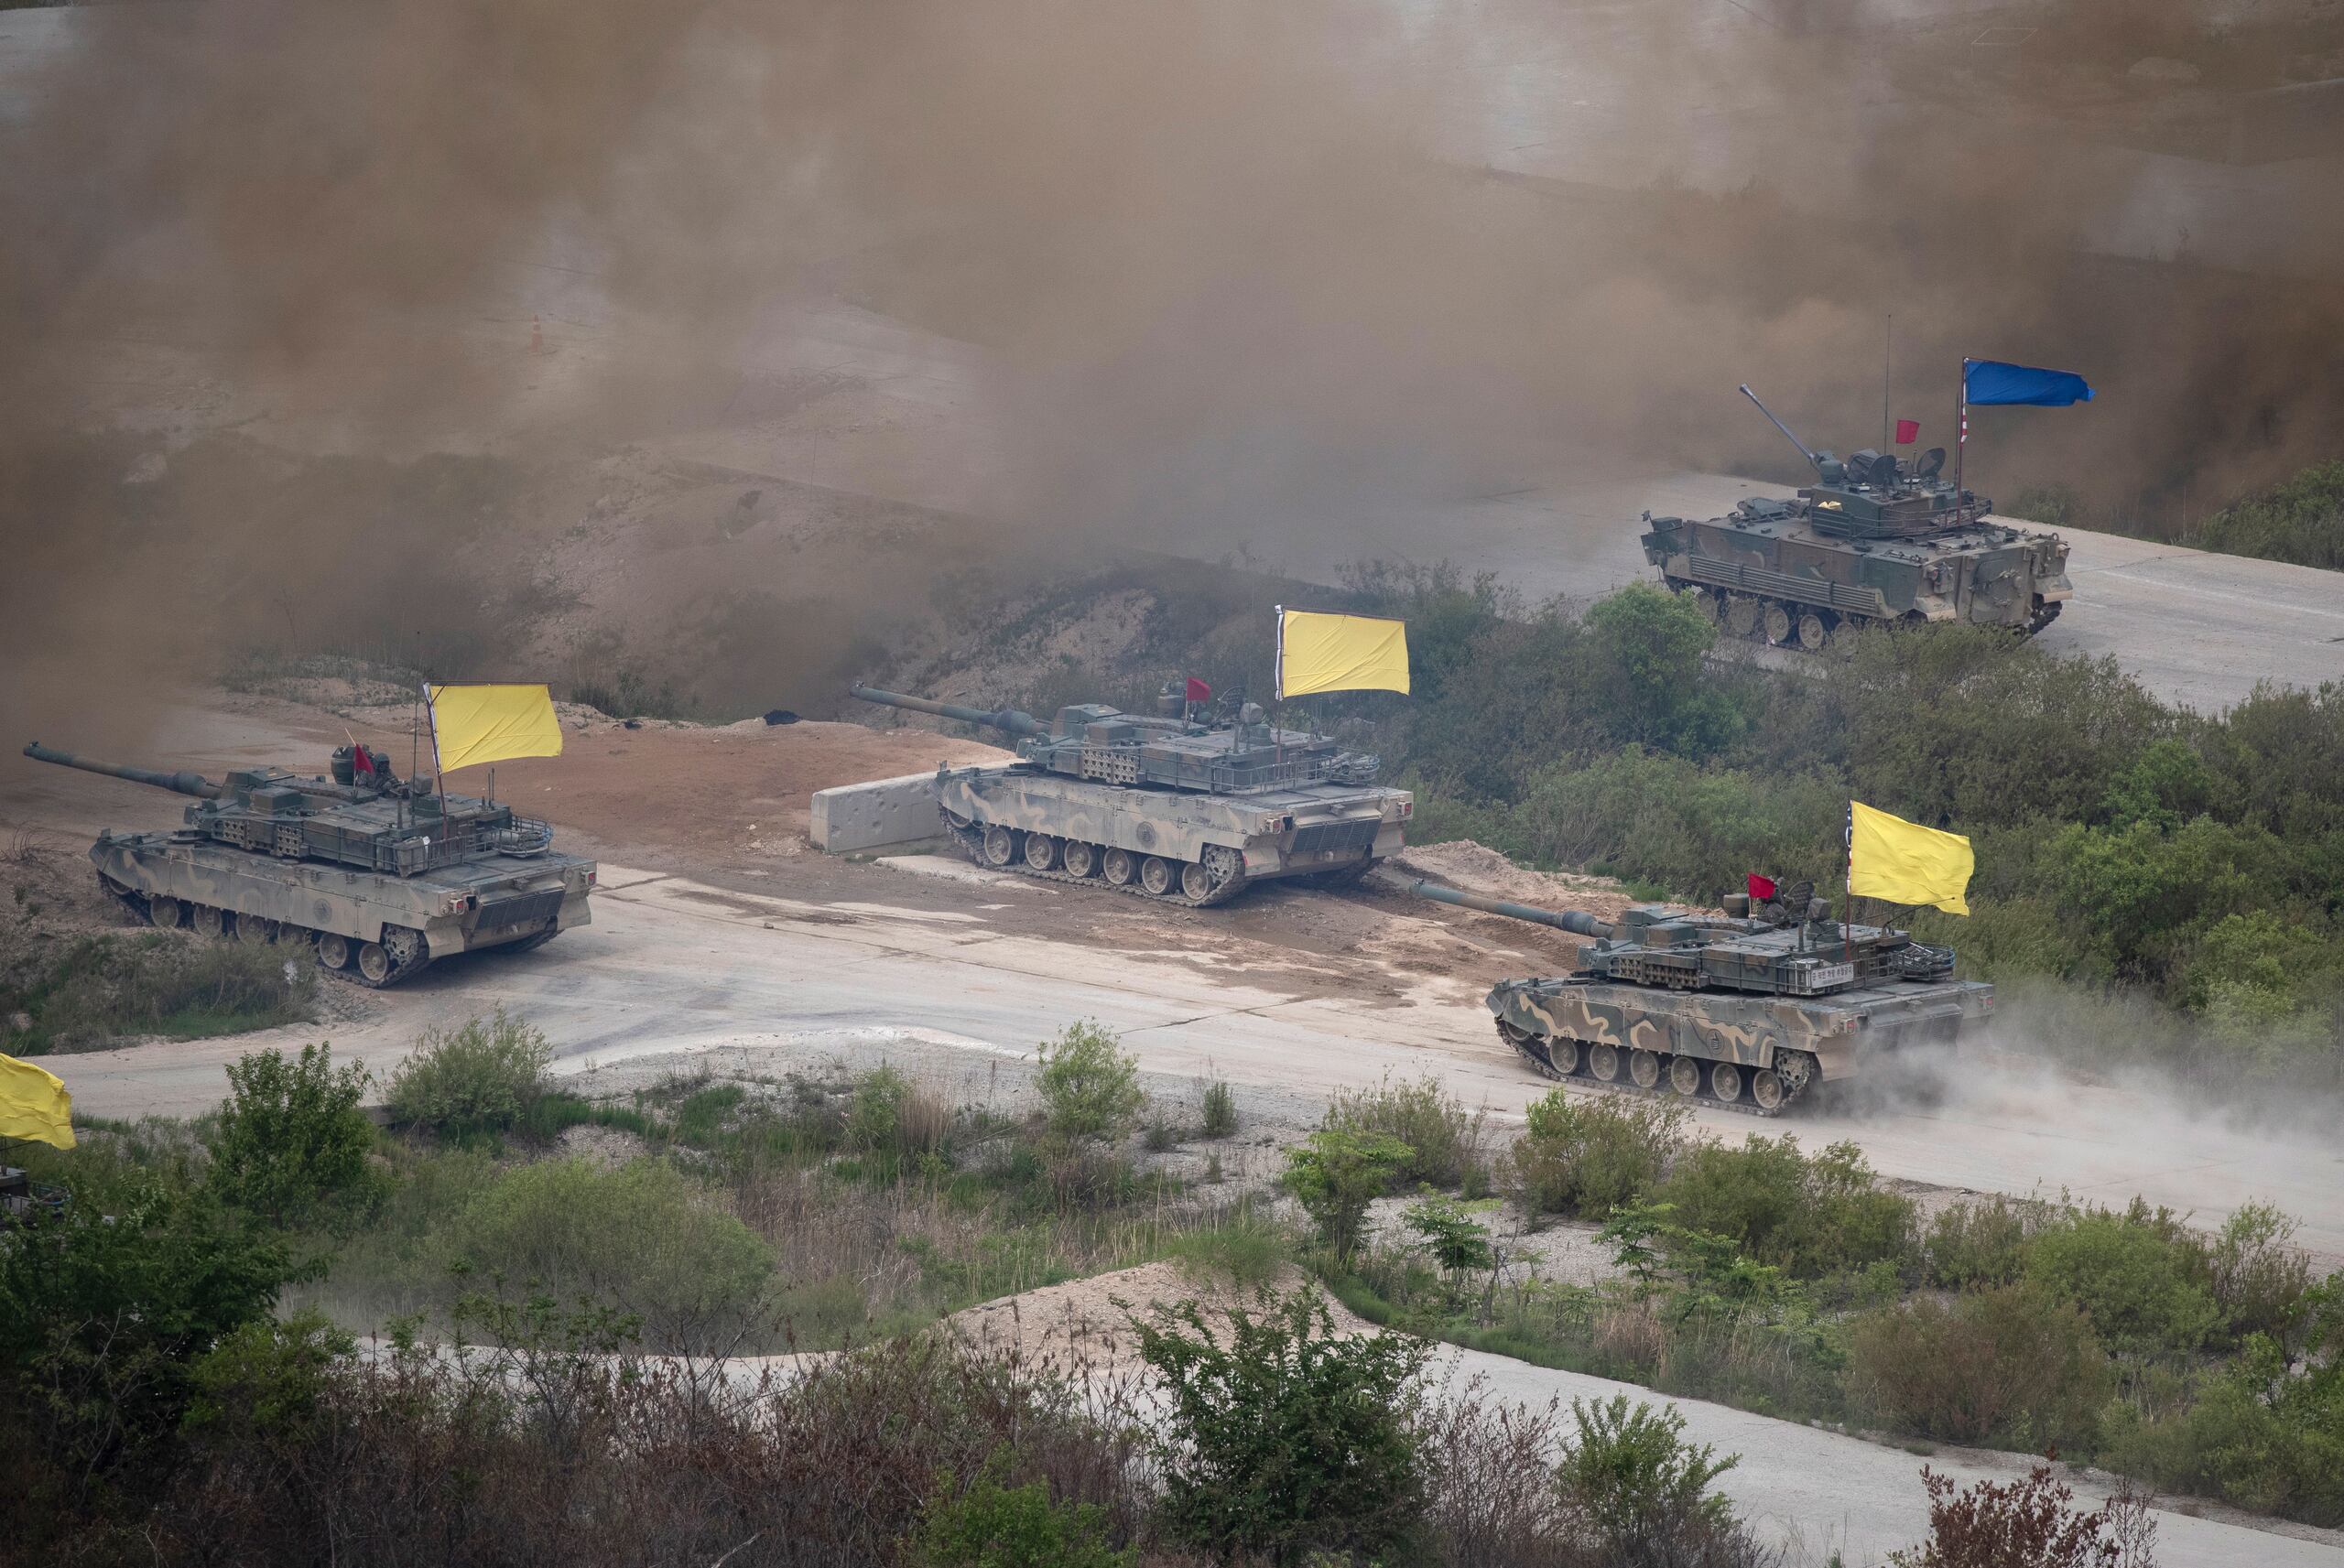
(489, 723)
(1340, 652)
(1904, 862)
(34, 1105)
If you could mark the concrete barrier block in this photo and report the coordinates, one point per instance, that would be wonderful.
(883, 814)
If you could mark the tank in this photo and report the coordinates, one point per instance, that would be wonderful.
(380, 875)
(1747, 1011)
(1167, 806)
(1874, 541)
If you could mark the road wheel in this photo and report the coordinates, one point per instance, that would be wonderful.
(333, 950)
(1741, 615)
(1725, 1081)
(1766, 1089)
(1001, 846)
(1685, 1076)
(1118, 866)
(1082, 860)
(1041, 852)
(1812, 634)
(1195, 882)
(374, 963)
(1604, 1062)
(164, 912)
(207, 919)
(1564, 1054)
(1706, 603)
(1778, 623)
(256, 929)
(1645, 1068)
(1156, 876)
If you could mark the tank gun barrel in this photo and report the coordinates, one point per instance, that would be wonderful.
(181, 782)
(1009, 719)
(1786, 429)
(1578, 922)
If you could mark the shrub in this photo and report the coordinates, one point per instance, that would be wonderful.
(1336, 1175)
(641, 1238)
(1457, 1243)
(1981, 1243)
(889, 1114)
(2136, 1277)
(2236, 1443)
(1089, 1089)
(990, 1525)
(1280, 1437)
(1219, 1111)
(2010, 1364)
(95, 988)
(2028, 1524)
(1444, 1139)
(1581, 1155)
(480, 1077)
(2257, 1279)
(291, 1136)
(1811, 1216)
(1639, 1489)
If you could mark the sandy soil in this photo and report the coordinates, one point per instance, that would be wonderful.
(1082, 1324)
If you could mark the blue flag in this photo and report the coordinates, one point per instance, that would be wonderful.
(1991, 381)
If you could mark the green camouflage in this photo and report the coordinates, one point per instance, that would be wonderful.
(380, 876)
(1167, 806)
(1875, 542)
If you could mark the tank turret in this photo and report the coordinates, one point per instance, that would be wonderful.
(382, 874)
(1874, 541)
(1167, 804)
(1746, 1009)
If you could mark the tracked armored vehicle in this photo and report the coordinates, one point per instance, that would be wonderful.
(1749, 1009)
(379, 875)
(1164, 806)
(1875, 542)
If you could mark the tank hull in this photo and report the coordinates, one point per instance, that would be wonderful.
(384, 927)
(1212, 847)
(1632, 1037)
(1782, 582)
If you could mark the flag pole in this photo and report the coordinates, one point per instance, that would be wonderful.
(1961, 432)
(1887, 361)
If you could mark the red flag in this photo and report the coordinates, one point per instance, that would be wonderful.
(361, 761)
(1907, 432)
(1198, 691)
(1762, 889)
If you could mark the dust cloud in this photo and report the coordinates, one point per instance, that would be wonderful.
(1218, 260)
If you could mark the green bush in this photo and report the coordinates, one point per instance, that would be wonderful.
(2301, 521)
(1336, 1174)
(1641, 1490)
(1444, 1139)
(1589, 1155)
(889, 1114)
(2011, 1364)
(1280, 1437)
(1809, 1215)
(2257, 1276)
(1219, 1110)
(642, 1238)
(291, 1136)
(88, 991)
(2138, 1277)
(1089, 1088)
(1981, 1243)
(480, 1077)
(990, 1525)
(2238, 1443)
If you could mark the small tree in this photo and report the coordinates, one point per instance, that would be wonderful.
(1458, 1243)
(1336, 1175)
(1089, 1089)
(1637, 1485)
(1283, 1438)
(991, 1525)
(291, 1135)
(1219, 1109)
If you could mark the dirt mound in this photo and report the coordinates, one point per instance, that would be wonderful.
(1081, 1323)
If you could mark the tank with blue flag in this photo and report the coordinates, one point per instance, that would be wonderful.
(1877, 540)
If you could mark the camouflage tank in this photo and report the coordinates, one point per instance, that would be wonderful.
(1746, 1010)
(1166, 806)
(380, 875)
(1875, 542)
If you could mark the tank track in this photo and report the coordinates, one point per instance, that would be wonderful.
(972, 840)
(142, 908)
(1532, 1051)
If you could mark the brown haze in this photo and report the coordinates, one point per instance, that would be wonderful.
(1218, 256)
